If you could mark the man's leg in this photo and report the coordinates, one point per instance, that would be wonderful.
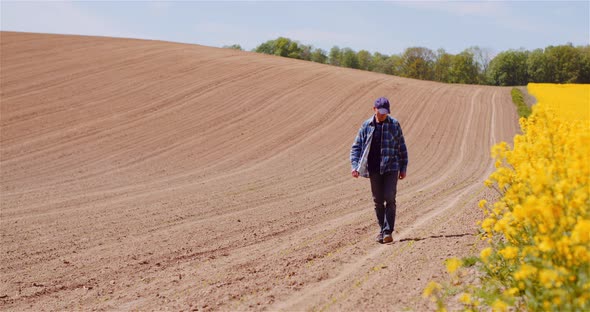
(390, 191)
(378, 198)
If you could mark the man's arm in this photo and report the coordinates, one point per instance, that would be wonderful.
(355, 152)
(402, 154)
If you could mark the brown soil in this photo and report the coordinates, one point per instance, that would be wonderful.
(140, 175)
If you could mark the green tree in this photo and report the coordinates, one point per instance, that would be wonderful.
(584, 76)
(417, 62)
(394, 65)
(558, 64)
(482, 57)
(509, 68)
(349, 59)
(442, 66)
(379, 63)
(537, 66)
(284, 47)
(364, 58)
(334, 57)
(382, 63)
(464, 68)
(564, 63)
(267, 47)
(319, 56)
(234, 47)
(305, 52)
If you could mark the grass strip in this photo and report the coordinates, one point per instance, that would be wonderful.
(521, 107)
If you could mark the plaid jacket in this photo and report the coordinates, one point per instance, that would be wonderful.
(394, 154)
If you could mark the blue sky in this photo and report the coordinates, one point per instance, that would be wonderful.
(386, 26)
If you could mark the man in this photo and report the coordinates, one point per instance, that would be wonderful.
(379, 153)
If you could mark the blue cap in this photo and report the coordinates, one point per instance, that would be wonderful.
(382, 104)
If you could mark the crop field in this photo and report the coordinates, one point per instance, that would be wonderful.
(538, 232)
(140, 175)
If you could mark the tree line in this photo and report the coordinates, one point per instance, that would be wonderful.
(475, 65)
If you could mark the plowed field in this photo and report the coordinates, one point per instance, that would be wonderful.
(153, 175)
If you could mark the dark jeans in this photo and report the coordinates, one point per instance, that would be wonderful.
(384, 189)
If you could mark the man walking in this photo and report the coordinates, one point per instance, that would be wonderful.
(379, 153)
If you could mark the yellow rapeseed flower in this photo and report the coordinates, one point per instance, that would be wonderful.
(540, 226)
(548, 278)
(509, 252)
(488, 224)
(511, 291)
(431, 288)
(581, 233)
(453, 264)
(499, 306)
(525, 271)
(571, 101)
(465, 298)
(485, 254)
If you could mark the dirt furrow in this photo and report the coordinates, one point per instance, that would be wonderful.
(155, 175)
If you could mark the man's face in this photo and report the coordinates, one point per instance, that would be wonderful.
(380, 117)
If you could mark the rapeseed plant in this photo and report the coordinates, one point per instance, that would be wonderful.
(538, 232)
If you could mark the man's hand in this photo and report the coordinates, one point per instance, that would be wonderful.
(355, 174)
(402, 175)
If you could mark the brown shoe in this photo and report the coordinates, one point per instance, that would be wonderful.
(379, 238)
(387, 238)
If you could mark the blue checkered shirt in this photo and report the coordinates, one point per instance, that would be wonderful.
(394, 154)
